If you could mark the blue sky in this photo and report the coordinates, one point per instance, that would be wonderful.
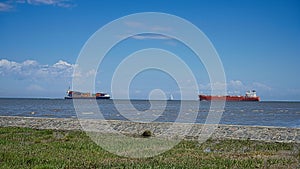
(257, 41)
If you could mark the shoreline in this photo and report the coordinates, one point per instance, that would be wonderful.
(237, 132)
(62, 98)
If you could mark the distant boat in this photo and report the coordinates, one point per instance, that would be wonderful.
(80, 95)
(171, 97)
(249, 96)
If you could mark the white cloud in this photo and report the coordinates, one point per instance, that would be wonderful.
(150, 36)
(30, 63)
(10, 4)
(7, 64)
(62, 64)
(5, 6)
(47, 2)
(59, 3)
(236, 87)
(33, 70)
(91, 73)
(236, 83)
(35, 88)
(261, 86)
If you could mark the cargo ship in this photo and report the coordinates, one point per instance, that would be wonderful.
(249, 96)
(80, 95)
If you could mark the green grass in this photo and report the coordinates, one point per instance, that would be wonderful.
(31, 148)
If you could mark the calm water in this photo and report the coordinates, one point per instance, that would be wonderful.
(284, 114)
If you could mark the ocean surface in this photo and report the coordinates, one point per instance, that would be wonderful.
(280, 114)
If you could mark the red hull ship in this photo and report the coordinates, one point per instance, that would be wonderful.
(249, 96)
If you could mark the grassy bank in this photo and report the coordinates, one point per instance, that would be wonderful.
(30, 148)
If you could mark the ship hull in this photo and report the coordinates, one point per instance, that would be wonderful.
(227, 98)
(102, 97)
